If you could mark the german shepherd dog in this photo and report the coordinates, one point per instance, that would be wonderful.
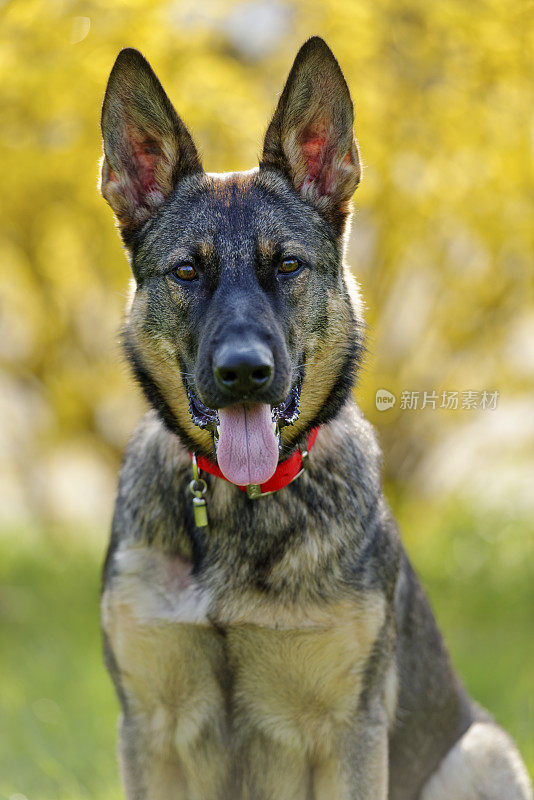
(273, 647)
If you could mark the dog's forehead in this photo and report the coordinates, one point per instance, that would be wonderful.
(235, 213)
(232, 205)
(254, 199)
(249, 200)
(227, 186)
(256, 207)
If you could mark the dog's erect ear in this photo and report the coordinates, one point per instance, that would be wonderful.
(310, 137)
(147, 148)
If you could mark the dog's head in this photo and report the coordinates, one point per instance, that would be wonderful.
(241, 329)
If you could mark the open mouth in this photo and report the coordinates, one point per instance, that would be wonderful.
(246, 436)
(285, 413)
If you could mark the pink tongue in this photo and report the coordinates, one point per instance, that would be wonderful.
(247, 451)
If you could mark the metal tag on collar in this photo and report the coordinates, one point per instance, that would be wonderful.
(198, 488)
(254, 489)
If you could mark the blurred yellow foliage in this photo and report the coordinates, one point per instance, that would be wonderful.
(442, 240)
(442, 243)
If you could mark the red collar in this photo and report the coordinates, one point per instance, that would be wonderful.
(286, 471)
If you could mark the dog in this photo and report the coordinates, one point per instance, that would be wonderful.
(265, 632)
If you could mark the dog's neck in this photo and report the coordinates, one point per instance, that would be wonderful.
(325, 517)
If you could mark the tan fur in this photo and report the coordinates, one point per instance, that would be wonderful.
(323, 363)
(225, 184)
(169, 670)
(267, 247)
(159, 357)
(205, 249)
(391, 690)
(483, 765)
(329, 781)
(298, 686)
(297, 676)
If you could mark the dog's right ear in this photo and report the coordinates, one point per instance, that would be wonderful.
(147, 147)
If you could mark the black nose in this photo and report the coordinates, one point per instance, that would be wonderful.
(243, 369)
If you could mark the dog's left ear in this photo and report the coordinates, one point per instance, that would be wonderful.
(310, 137)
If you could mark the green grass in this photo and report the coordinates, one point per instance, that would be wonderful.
(57, 706)
(478, 570)
(58, 709)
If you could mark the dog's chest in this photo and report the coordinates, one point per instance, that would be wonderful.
(187, 661)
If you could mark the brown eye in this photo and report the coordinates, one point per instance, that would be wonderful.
(289, 265)
(184, 272)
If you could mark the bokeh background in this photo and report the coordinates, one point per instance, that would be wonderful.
(442, 244)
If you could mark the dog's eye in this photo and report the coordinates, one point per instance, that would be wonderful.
(289, 265)
(184, 272)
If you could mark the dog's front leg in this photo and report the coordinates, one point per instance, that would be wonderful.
(155, 770)
(357, 771)
(359, 768)
(353, 762)
(168, 676)
(271, 769)
(355, 768)
(146, 773)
